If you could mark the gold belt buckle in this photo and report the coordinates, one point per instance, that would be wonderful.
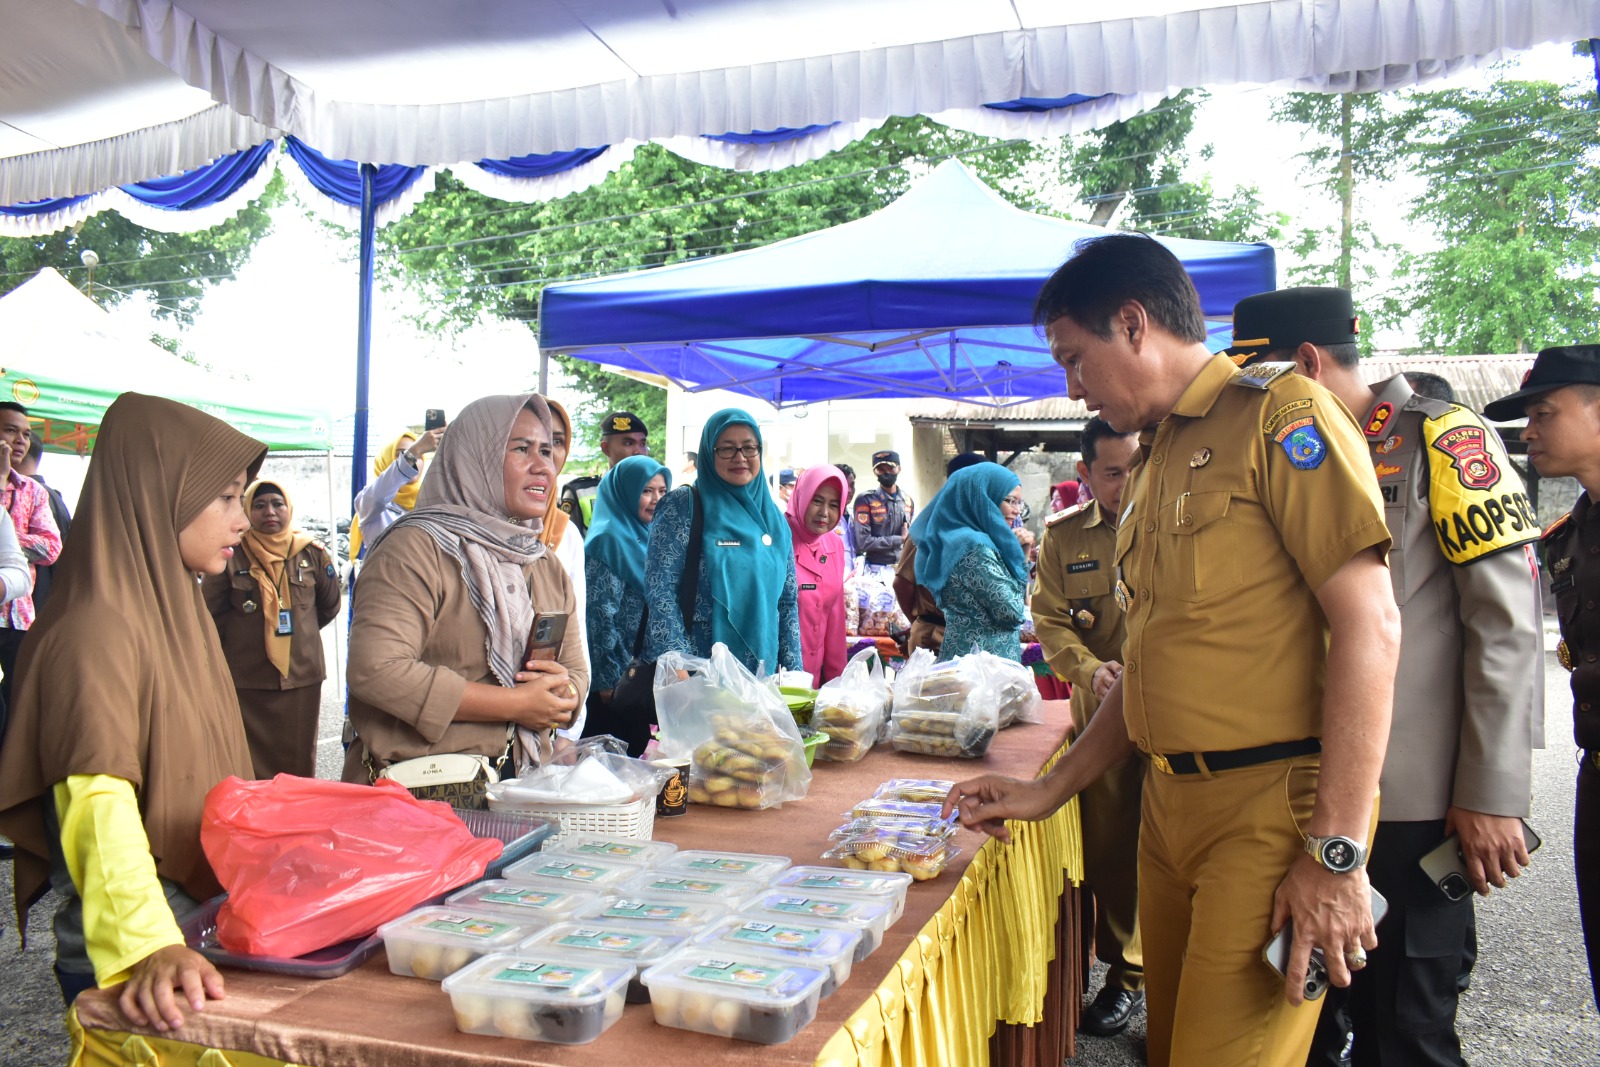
(1160, 763)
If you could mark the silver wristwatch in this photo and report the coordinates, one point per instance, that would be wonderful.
(1341, 855)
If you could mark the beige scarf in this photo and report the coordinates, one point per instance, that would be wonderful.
(269, 556)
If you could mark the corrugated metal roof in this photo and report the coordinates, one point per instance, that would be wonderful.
(1477, 380)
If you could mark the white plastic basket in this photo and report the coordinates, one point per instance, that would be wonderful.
(636, 819)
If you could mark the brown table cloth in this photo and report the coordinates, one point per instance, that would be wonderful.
(372, 1018)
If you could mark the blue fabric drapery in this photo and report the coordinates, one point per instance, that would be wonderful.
(193, 189)
(1040, 103)
(777, 136)
(541, 166)
(340, 179)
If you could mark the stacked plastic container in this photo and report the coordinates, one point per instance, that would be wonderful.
(898, 830)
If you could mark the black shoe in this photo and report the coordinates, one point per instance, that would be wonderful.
(1111, 1011)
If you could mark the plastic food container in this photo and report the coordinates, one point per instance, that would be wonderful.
(436, 942)
(639, 944)
(538, 996)
(830, 947)
(879, 885)
(867, 915)
(879, 849)
(538, 904)
(726, 864)
(730, 892)
(916, 790)
(674, 913)
(572, 871)
(744, 995)
(604, 847)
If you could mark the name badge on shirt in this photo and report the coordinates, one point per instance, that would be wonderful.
(811, 585)
(285, 623)
(1084, 565)
(726, 544)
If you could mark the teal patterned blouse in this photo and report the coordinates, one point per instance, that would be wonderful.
(983, 608)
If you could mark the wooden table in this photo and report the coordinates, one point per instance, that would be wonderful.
(932, 993)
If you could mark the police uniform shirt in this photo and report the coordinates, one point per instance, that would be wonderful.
(881, 521)
(1571, 551)
(1079, 623)
(1469, 692)
(577, 500)
(1250, 495)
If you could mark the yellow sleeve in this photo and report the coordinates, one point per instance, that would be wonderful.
(126, 916)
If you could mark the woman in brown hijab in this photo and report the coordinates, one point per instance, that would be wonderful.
(125, 713)
(270, 606)
(447, 597)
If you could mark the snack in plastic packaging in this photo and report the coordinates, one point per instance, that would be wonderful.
(673, 912)
(852, 707)
(602, 847)
(743, 995)
(731, 864)
(934, 827)
(527, 903)
(1011, 686)
(731, 892)
(919, 856)
(869, 916)
(872, 884)
(816, 945)
(746, 764)
(916, 790)
(879, 807)
(538, 995)
(435, 942)
(571, 871)
(638, 944)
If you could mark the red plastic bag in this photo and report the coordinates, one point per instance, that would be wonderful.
(310, 863)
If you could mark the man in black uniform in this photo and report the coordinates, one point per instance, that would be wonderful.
(883, 515)
(622, 434)
(1561, 398)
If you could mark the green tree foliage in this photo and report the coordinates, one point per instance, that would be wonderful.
(473, 254)
(173, 269)
(1513, 193)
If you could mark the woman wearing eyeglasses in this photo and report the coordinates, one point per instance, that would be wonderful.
(745, 593)
(970, 560)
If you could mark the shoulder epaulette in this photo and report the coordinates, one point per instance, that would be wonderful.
(1066, 513)
(1260, 375)
(1555, 527)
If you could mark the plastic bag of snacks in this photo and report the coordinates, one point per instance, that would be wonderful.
(743, 743)
(878, 612)
(916, 790)
(880, 848)
(1012, 687)
(943, 709)
(851, 707)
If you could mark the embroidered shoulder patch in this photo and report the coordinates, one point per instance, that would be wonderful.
(1477, 502)
(1302, 443)
(1379, 419)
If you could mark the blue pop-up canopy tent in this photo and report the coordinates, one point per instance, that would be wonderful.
(930, 297)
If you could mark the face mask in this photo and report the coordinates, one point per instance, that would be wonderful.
(887, 479)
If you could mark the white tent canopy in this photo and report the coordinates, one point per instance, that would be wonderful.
(102, 92)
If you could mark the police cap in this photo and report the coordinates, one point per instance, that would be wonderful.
(622, 422)
(886, 456)
(1554, 368)
(1286, 318)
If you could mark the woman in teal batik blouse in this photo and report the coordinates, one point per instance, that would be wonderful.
(969, 558)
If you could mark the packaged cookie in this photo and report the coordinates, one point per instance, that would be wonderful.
(915, 790)
(538, 995)
(749, 996)
(435, 942)
(880, 849)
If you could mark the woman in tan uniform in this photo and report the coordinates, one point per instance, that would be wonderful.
(276, 658)
(447, 597)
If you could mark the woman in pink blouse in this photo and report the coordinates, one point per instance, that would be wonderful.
(819, 567)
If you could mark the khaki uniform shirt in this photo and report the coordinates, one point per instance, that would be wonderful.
(1469, 693)
(1249, 496)
(1079, 623)
(234, 600)
(415, 643)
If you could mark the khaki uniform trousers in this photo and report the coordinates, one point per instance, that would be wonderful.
(1108, 814)
(1211, 854)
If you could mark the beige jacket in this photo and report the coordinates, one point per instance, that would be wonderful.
(417, 641)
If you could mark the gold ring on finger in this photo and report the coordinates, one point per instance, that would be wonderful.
(1355, 958)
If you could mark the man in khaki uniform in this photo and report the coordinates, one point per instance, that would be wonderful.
(1258, 672)
(1080, 627)
(1469, 693)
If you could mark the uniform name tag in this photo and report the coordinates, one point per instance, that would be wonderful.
(1561, 585)
(726, 544)
(811, 585)
(1083, 565)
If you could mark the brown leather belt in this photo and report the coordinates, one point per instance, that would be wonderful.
(1232, 759)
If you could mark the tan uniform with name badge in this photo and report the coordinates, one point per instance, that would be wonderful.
(1081, 627)
(1251, 494)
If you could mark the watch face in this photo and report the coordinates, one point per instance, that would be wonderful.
(1338, 854)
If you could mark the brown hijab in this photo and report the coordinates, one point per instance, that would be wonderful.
(123, 673)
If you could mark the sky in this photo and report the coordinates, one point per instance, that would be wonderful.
(297, 294)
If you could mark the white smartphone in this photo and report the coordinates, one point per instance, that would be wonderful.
(1277, 951)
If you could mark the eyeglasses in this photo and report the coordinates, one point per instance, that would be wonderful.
(729, 451)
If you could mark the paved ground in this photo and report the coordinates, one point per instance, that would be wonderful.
(1530, 1001)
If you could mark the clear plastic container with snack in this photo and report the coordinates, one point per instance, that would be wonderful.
(538, 904)
(578, 872)
(751, 865)
(870, 916)
(748, 996)
(610, 941)
(435, 942)
(815, 944)
(915, 790)
(729, 892)
(538, 995)
(878, 848)
(604, 847)
(877, 885)
(674, 913)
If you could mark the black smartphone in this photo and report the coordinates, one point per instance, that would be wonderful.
(1277, 951)
(434, 419)
(1447, 869)
(549, 630)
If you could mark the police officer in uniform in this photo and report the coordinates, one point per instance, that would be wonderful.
(1469, 693)
(622, 434)
(1561, 399)
(1258, 670)
(883, 515)
(1080, 628)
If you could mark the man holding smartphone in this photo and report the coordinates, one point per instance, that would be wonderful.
(1469, 692)
(1561, 398)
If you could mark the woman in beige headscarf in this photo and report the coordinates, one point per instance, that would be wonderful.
(270, 606)
(125, 713)
(447, 597)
